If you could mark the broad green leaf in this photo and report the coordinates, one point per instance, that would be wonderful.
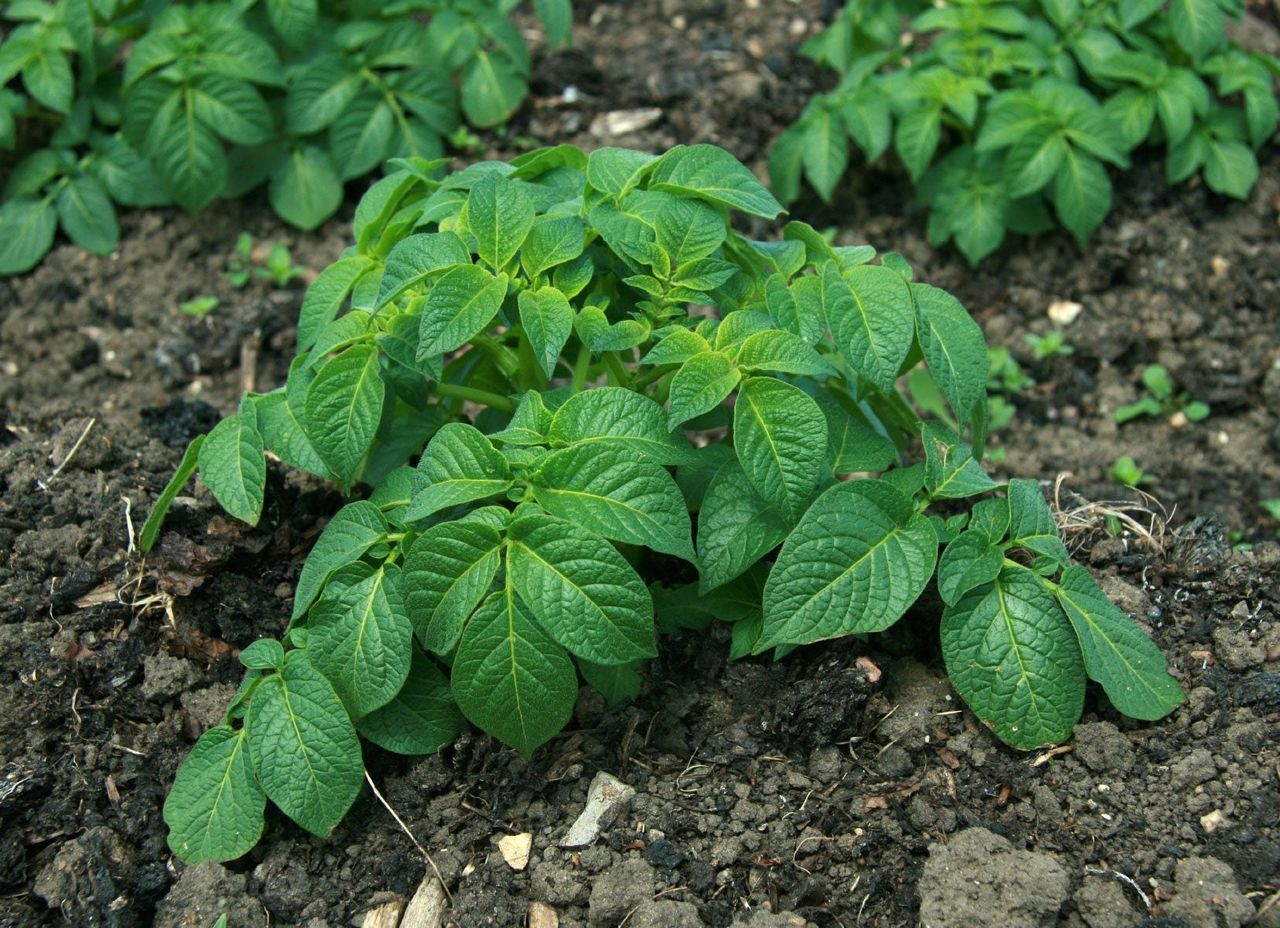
(348, 329)
(557, 20)
(869, 121)
(1130, 667)
(492, 89)
(967, 563)
(735, 528)
(853, 447)
(459, 465)
(510, 678)
(676, 345)
(917, 138)
(499, 214)
(609, 491)
(713, 174)
(786, 163)
(416, 258)
(780, 436)
(128, 177)
(360, 137)
(616, 171)
(616, 683)
(326, 296)
(343, 408)
(263, 654)
(1031, 523)
(448, 572)
(619, 417)
(688, 229)
(954, 348)
(284, 435)
(215, 809)
(421, 719)
(825, 152)
(27, 227)
(1082, 194)
(547, 319)
(990, 519)
(48, 78)
(1197, 25)
(319, 93)
(552, 242)
(87, 216)
(872, 318)
(1132, 111)
(1034, 160)
(186, 469)
(856, 562)
(1012, 656)
(232, 465)
(293, 20)
(305, 190)
(460, 306)
(951, 472)
(354, 530)
(700, 385)
(303, 745)
(1230, 168)
(580, 589)
(360, 636)
(783, 352)
(189, 159)
(232, 108)
(600, 335)
(529, 424)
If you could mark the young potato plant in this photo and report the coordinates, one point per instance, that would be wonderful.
(574, 407)
(154, 103)
(1001, 109)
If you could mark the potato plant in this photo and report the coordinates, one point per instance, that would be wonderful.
(575, 407)
(1002, 109)
(143, 104)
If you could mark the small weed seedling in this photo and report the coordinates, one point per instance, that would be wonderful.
(240, 268)
(1161, 400)
(277, 267)
(508, 365)
(1272, 506)
(201, 306)
(1004, 374)
(1126, 471)
(1052, 344)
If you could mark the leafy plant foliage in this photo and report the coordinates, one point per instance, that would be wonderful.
(1002, 109)
(506, 371)
(213, 100)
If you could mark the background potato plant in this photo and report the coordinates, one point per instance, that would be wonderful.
(141, 103)
(1003, 111)
(574, 407)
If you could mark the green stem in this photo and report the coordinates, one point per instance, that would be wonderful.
(472, 394)
(618, 375)
(580, 366)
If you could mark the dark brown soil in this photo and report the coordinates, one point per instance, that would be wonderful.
(813, 787)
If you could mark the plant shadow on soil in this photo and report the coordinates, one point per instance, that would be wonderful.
(815, 786)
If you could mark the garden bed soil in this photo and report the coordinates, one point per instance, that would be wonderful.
(845, 786)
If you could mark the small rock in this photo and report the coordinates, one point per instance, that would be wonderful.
(759, 918)
(619, 890)
(1207, 896)
(918, 694)
(542, 915)
(606, 799)
(164, 675)
(1103, 748)
(427, 907)
(978, 880)
(624, 122)
(204, 892)
(894, 762)
(1064, 312)
(515, 850)
(824, 764)
(1212, 821)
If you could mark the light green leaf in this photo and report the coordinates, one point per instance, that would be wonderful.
(1012, 656)
(1197, 25)
(305, 189)
(87, 216)
(343, 408)
(492, 89)
(858, 559)
(616, 171)
(215, 809)
(552, 242)
(780, 436)
(1131, 669)
(1031, 523)
(354, 530)
(688, 229)
(951, 472)
(460, 465)
(676, 345)
(416, 258)
(360, 636)
(917, 138)
(619, 417)
(47, 77)
(735, 528)
(499, 214)
(825, 152)
(448, 572)
(580, 589)
(284, 435)
(1082, 194)
(460, 306)
(303, 745)
(421, 719)
(872, 318)
(609, 491)
(783, 352)
(233, 467)
(510, 678)
(968, 562)
(700, 385)
(954, 348)
(713, 174)
(263, 654)
(547, 318)
(326, 295)
(1230, 168)
(186, 469)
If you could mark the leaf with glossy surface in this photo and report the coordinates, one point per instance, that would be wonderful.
(354, 530)
(736, 527)
(232, 465)
(713, 174)
(459, 307)
(448, 571)
(343, 408)
(968, 562)
(215, 809)
(416, 258)
(499, 214)
(619, 416)
(700, 385)
(1031, 522)
(547, 318)
(421, 719)
(954, 348)
(780, 437)
(460, 465)
(872, 318)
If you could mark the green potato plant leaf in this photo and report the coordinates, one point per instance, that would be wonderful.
(577, 408)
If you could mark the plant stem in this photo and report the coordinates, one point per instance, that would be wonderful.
(617, 373)
(580, 366)
(472, 394)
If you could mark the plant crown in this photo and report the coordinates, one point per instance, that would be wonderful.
(622, 410)
(215, 99)
(1000, 109)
